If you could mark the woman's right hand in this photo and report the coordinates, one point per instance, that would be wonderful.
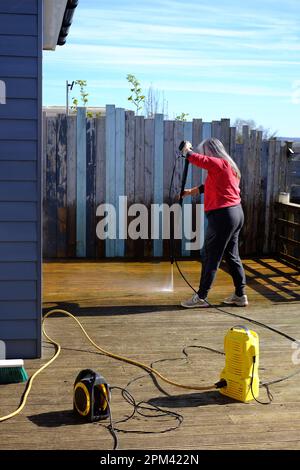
(186, 192)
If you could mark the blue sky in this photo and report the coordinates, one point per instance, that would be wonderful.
(223, 58)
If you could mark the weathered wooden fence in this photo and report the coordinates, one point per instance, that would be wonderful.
(88, 162)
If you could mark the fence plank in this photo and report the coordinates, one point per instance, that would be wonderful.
(167, 172)
(139, 176)
(178, 137)
(61, 189)
(100, 175)
(81, 184)
(269, 189)
(129, 171)
(232, 147)
(158, 175)
(197, 201)
(120, 182)
(196, 139)
(275, 192)
(110, 159)
(207, 134)
(216, 129)
(249, 167)
(50, 242)
(187, 202)
(261, 221)
(225, 133)
(245, 181)
(90, 188)
(256, 195)
(149, 178)
(71, 186)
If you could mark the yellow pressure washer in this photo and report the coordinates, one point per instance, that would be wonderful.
(241, 347)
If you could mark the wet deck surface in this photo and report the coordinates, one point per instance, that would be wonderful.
(125, 310)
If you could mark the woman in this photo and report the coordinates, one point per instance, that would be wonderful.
(222, 205)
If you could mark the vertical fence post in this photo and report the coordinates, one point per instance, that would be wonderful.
(110, 138)
(206, 134)
(198, 208)
(71, 186)
(158, 175)
(269, 190)
(81, 184)
(120, 182)
(187, 202)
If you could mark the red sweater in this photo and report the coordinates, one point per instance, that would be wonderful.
(221, 185)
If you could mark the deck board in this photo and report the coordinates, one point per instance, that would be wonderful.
(122, 307)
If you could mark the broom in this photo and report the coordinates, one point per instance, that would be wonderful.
(12, 371)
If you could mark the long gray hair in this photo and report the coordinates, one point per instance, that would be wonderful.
(214, 148)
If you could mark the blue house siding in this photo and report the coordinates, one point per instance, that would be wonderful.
(20, 177)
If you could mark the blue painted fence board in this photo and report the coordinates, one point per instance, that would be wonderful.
(18, 129)
(110, 138)
(14, 310)
(90, 188)
(18, 271)
(18, 290)
(207, 133)
(18, 231)
(18, 67)
(21, 211)
(23, 109)
(21, 191)
(158, 190)
(18, 150)
(18, 46)
(61, 187)
(120, 181)
(81, 184)
(14, 170)
(18, 251)
(187, 211)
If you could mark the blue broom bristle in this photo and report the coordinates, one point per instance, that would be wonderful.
(12, 375)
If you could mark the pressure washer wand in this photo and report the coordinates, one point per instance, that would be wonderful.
(183, 183)
(183, 180)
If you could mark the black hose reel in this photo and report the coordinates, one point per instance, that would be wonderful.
(91, 396)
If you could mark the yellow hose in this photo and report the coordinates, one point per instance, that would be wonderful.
(103, 351)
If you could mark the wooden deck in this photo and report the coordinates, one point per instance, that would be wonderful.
(124, 309)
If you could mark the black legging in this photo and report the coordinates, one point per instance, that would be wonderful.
(221, 240)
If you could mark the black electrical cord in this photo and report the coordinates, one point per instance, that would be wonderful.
(248, 319)
(111, 426)
(141, 408)
(270, 396)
